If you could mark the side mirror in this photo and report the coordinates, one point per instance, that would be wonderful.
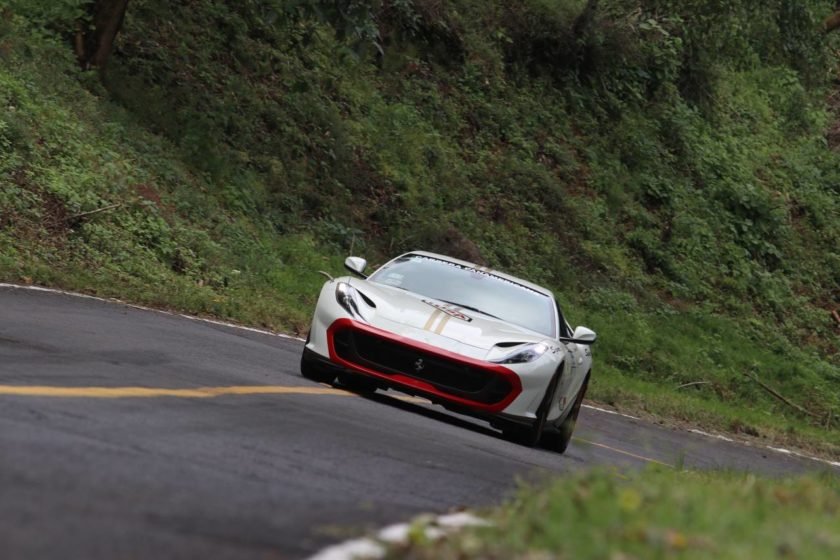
(356, 265)
(582, 335)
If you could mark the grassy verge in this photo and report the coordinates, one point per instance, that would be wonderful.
(700, 369)
(657, 513)
(674, 407)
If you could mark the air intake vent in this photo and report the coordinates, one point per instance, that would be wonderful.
(367, 299)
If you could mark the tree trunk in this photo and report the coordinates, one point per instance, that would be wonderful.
(581, 29)
(832, 22)
(93, 46)
(584, 21)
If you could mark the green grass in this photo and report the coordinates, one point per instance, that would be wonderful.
(654, 514)
(170, 242)
(648, 358)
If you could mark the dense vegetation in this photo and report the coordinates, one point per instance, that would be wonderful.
(655, 514)
(667, 166)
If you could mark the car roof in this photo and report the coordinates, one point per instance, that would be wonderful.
(530, 285)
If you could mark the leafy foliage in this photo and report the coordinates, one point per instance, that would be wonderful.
(61, 16)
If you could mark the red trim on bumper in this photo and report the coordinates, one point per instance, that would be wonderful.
(397, 380)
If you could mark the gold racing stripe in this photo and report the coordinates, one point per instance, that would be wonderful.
(432, 318)
(442, 324)
(446, 319)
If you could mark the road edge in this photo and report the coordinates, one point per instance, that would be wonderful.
(216, 322)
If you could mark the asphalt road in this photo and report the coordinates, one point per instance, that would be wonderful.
(127, 433)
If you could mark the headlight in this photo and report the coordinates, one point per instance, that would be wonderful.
(345, 295)
(523, 354)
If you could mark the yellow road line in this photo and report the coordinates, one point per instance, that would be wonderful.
(143, 392)
(196, 393)
(208, 392)
(622, 452)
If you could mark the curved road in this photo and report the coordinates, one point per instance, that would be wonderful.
(128, 433)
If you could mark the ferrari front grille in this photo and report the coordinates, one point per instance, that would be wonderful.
(446, 375)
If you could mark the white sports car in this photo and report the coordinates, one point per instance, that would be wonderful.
(474, 340)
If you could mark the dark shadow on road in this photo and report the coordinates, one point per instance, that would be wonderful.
(440, 416)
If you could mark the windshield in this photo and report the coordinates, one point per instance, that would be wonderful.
(470, 288)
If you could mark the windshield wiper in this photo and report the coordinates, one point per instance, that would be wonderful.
(462, 306)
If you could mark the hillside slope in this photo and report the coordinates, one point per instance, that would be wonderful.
(662, 165)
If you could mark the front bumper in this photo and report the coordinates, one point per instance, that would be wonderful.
(414, 367)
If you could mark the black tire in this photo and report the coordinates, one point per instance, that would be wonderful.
(531, 435)
(314, 371)
(559, 441)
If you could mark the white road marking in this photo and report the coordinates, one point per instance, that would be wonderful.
(769, 447)
(144, 308)
(609, 411)
(730, 440)
(802, 455)
(715, 436)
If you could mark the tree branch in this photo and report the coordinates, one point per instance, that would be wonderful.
(782, 398)
(693, 384)
(78, 217)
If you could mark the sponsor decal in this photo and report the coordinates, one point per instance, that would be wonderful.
(448, 309)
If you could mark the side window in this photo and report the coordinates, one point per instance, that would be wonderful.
(564, 329)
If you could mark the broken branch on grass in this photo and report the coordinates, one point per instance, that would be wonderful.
(77, 217)
(694, 384)
(782, 398)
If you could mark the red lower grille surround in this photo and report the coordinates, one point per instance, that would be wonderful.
(504, 376)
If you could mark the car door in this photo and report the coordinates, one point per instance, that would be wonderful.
(578, 356)
(568, 384)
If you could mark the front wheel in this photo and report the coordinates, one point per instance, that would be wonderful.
(559, 441)
(531, 435)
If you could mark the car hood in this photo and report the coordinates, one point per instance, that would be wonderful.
(438, 323)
